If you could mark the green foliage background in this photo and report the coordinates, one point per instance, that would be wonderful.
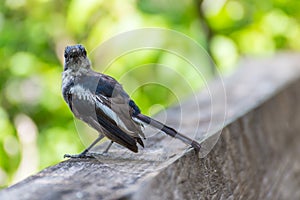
(36, 126)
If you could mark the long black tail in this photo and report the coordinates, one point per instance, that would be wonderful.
(168, 130)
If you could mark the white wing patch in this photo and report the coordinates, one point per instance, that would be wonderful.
(87, 95)
(111, 114)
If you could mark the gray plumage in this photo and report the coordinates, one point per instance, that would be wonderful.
(101, 102)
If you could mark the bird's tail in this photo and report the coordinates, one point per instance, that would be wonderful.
(168, 130)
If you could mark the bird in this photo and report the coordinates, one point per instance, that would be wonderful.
(100, 101)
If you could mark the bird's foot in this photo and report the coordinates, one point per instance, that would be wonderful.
(81, 155)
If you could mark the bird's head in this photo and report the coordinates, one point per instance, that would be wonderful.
(76, 58)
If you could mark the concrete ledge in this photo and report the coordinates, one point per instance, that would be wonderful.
(255, 157)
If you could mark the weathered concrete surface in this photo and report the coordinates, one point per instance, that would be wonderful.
(256, 156)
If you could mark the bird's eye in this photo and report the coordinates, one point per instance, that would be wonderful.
(65, 55)
(84, 52)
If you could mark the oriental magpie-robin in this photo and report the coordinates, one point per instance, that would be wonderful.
(101, 102)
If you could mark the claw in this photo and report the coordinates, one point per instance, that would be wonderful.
(81, 155)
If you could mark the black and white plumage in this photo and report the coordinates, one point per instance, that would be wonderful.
(101, 102)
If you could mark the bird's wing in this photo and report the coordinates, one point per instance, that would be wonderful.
(118, 104)
(113, 131)
(108, 104)
(97, 116)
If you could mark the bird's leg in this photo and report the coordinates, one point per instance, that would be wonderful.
(83, 154)
(108, 147)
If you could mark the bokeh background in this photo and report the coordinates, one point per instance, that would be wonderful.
(36, 126)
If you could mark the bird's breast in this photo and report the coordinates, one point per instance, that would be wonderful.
(81, 93)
